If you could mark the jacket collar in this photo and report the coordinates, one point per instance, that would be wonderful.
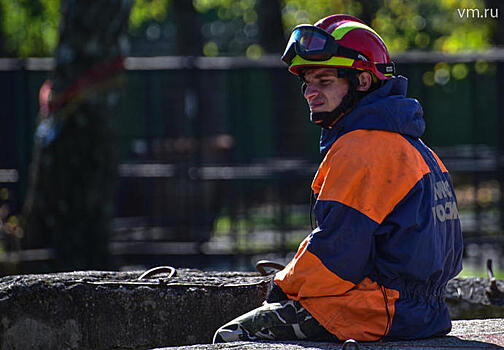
(386, 108)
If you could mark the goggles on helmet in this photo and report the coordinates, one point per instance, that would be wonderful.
(315, 44)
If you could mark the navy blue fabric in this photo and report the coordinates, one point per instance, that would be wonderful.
(386, 108)
(415, 253)
(341, 229)
(417, 318)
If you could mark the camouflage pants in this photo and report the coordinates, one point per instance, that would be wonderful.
(284, 320)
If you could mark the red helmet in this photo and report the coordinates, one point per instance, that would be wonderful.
(339, 41)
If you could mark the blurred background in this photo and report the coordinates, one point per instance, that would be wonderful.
(213, 149)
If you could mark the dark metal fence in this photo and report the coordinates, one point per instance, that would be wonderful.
(217, 154)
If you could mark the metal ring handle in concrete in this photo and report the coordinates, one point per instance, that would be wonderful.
(156, 270)
(350, 344)
(262, 264)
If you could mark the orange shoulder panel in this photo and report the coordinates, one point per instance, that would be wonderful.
(305, 276)
(370, 171)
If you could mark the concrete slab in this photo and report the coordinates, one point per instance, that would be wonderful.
(116, 310)
(466, 334)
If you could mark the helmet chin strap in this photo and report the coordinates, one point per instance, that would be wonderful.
(327, 120)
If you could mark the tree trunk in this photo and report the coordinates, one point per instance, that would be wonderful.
(189, 39)
(69, 204)
(497, 7)
(271, 34)
(3, 52)
(369, 9)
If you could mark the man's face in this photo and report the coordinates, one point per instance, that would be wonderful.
(324, 90)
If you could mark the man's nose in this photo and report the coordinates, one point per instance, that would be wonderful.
(310, 91)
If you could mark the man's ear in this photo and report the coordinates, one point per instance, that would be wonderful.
(365, 81)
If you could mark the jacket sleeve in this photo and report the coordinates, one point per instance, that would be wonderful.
(358, 184)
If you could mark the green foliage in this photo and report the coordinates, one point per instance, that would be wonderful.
(309, 11)
(30, 27)
(432, 25)
(231, 27)
(406, 25)
(147, 10)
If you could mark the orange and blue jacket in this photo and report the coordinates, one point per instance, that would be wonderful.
(388, 237)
